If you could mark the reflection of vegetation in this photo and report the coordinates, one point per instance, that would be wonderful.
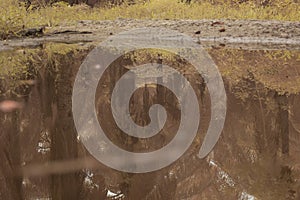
(13, 63)
(265, 177)
(14, 16)
(259, 172)
(143, 56)
(263, 80)
(15, 66)
(20, 65)
(278, 70)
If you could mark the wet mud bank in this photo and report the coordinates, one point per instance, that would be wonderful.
(256, 156)
(244, 34)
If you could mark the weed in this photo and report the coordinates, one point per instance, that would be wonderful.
(14, 16)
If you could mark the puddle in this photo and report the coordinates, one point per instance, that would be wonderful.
(257, 156)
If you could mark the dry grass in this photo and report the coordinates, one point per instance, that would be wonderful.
(14, 17)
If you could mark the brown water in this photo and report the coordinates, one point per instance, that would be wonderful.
(256, 156)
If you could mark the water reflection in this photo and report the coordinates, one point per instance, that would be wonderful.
(257, 155)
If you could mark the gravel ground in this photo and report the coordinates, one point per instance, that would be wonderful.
(244, 34)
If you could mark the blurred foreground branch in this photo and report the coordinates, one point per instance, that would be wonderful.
(59, 167)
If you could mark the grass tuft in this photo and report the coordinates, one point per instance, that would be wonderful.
(14, 16)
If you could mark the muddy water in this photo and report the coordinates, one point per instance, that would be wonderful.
(257, 155)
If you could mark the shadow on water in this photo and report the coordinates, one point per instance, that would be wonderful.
(256, 156)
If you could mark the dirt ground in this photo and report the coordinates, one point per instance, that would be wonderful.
(242, 34)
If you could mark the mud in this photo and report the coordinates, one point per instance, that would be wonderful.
(244, 34)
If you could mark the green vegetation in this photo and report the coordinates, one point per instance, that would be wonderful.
(14, 16)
